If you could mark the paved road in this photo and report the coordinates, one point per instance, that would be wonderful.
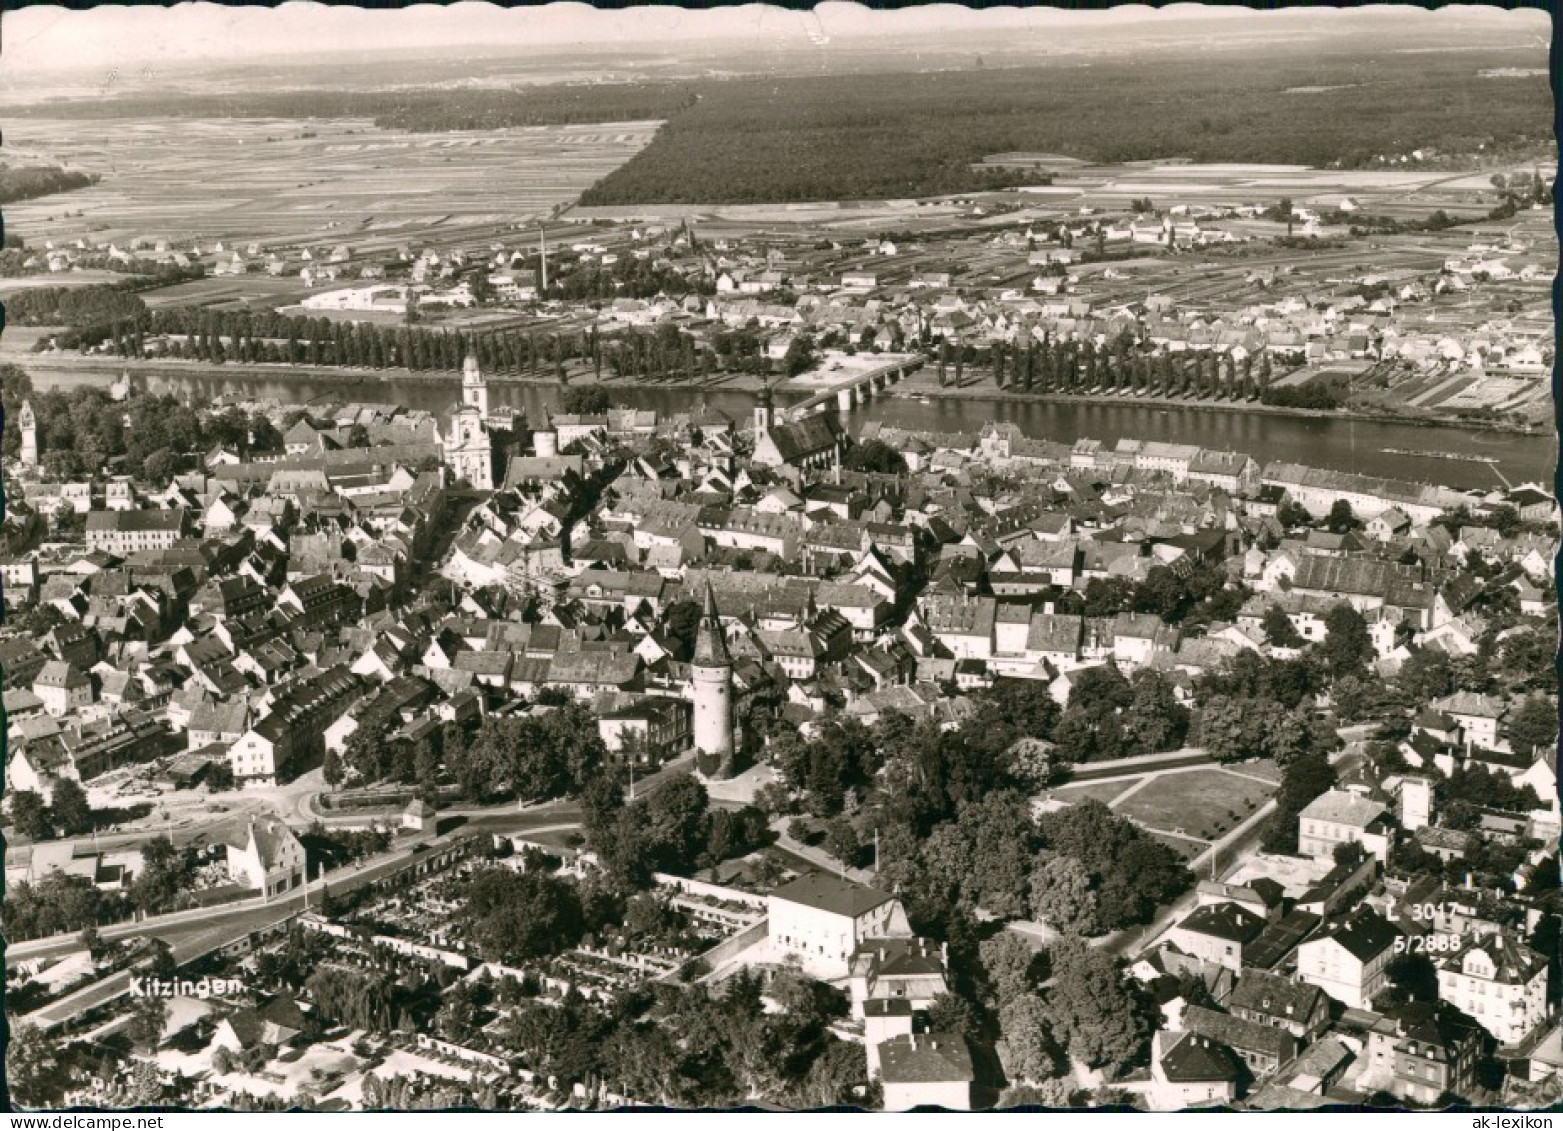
(302, 810)
(177, 927)
(178, 832)
(1243, 837)
(1105, 770)
(550, 816)
(194, 933)
(191, 934)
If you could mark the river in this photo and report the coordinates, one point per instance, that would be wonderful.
(1342, 445)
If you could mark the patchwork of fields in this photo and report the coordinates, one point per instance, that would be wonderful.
(309, 180)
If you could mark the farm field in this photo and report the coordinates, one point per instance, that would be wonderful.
(16, 342)
(292, 181)
(236, 290)
(1198, 804)
(74, 278)
(1107, 187)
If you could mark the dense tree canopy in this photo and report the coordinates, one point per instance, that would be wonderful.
(877, 456)
(1130, 872)
(1533, 724)
(877, 135)
(516, 916)
(1093, 1010)
(536, 757)
(1306, 778)
(58, 902)
(670, 829)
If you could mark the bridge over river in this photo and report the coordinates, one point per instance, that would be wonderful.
(843, 381)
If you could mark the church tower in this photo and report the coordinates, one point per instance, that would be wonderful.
(764, 413)
(27, 424)
(474, 387)
(469, 447)
(713, 679)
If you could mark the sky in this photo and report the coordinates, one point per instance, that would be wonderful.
(40, 38)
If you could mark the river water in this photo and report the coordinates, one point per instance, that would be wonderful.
(1342, 445)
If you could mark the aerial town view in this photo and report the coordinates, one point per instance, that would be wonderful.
(768, 559)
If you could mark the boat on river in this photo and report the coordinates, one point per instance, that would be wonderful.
(1461, 456)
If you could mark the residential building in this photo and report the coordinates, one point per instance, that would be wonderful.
(63, 688)
(1263, 1048)
(124, 532)
(1349, 960)
(1423, 1052)
(1217, 933)
(823, 919)
(1191, 1070)
(267, 858)
(1337, 817)
(927, 1070)
(1498, 980)
(292, 734)
(1300, 1008)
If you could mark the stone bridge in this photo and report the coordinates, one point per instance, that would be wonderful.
(856, 387)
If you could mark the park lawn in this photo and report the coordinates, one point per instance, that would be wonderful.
(556, 838)
(1260, 768)
(1202, 804)
(1103, 791)
(1183, 846)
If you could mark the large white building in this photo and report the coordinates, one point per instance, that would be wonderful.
(1349, 961)
(1336, 817)
(382, 296)
(822, 919)
(124, 532)
(1500, 982)
(268, 858)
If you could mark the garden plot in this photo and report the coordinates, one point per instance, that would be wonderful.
(1489, 392)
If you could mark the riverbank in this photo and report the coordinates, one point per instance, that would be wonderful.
(984, 392)
(166, 370)
(1356, 445)
(921, 385)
